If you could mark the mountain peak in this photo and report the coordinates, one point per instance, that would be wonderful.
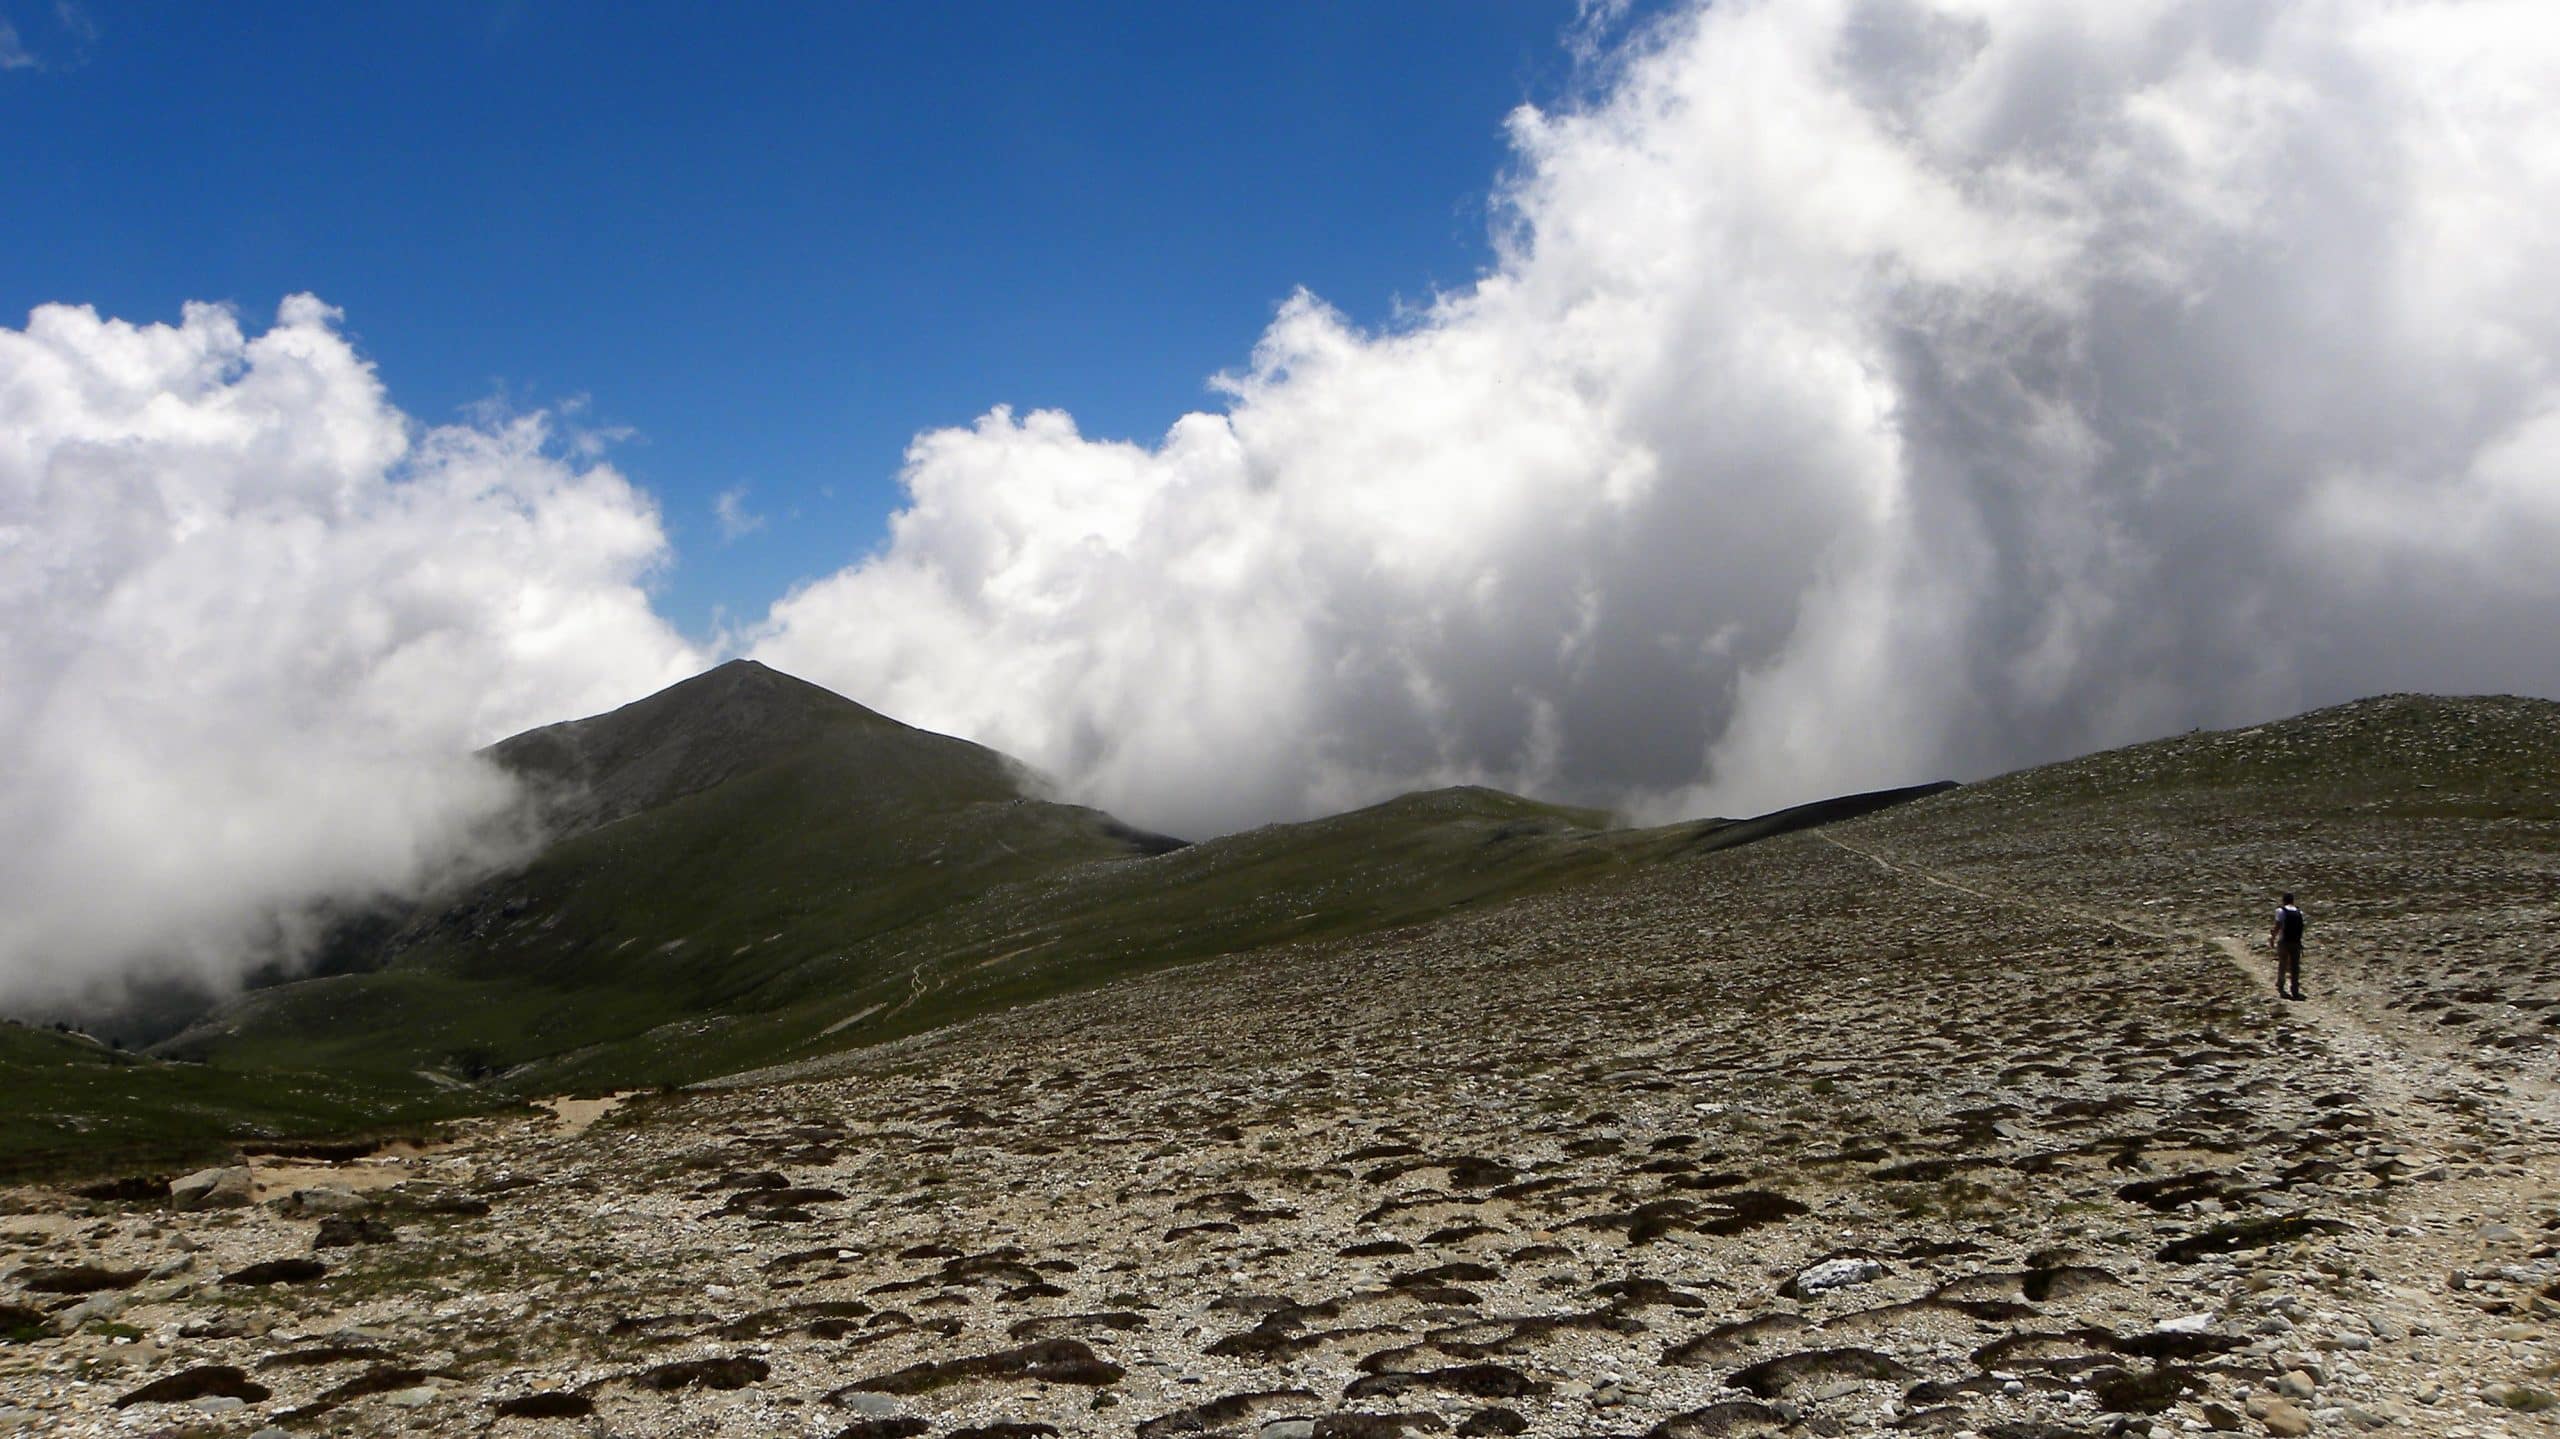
(690, 736)
(740, 671)
(744, 690)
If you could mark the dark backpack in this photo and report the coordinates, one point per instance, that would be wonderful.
(2289, 925)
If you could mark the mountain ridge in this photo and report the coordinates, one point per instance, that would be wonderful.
(746, 867)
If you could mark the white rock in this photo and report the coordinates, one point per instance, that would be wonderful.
(231, 1187)
(1836, 1274)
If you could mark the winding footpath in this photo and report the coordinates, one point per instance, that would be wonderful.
(2446, 1105)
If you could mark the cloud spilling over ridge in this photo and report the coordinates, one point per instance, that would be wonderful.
(1867, 391)
(253, 620)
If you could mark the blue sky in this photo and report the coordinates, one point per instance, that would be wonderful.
(772, 242)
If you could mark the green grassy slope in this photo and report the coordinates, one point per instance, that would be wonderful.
(763, 921)
(75, 1105)
(745, 922)
(698, 906)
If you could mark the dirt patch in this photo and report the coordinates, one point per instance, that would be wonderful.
(379, 1167)
(571, 1116)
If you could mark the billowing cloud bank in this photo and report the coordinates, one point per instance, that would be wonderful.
(1868, 391)
(252, 620)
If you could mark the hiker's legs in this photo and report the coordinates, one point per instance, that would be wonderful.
(2289, 970)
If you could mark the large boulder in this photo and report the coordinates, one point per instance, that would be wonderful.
(232, 1187)
(325, 1199)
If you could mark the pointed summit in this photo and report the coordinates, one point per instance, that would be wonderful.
(691, 736)
(743, 692)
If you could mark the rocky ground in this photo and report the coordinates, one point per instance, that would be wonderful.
(1917, 1123)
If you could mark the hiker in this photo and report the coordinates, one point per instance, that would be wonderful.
(2285, 936)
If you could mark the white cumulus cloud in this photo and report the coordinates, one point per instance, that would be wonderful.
(1866, 391)
(252, 622)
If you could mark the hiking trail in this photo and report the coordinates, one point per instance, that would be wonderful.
(2382, 1054)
